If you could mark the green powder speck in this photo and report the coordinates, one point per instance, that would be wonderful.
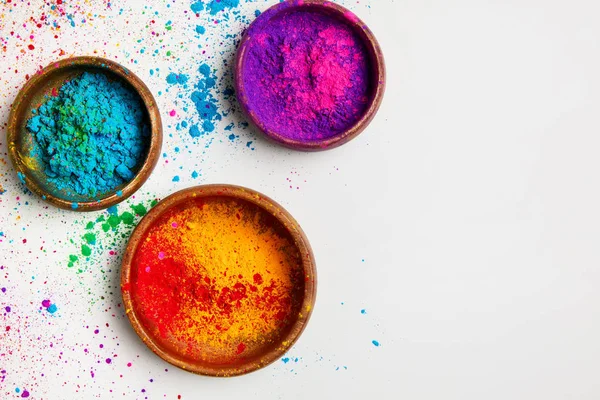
(90, 238)
(127, 218)
(114, 220)
(85, 250)
(139, 209)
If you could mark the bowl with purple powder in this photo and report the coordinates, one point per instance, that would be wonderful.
(309, 74)
(84, 134)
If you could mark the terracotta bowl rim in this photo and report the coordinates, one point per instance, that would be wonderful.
(271, 207)
(111, 198)
(378, 75)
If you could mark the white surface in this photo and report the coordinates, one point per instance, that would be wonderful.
(472, 199)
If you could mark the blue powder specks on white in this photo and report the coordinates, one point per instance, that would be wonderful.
(200, 29)
(194, 174)
(285, 360)
(205, 102)
(112, 210)
(179, 79)
(21, 177)
(194, 131)
(197, 7)
(52, 308)
(216, 6)
(363, 311)
(176, 178)
(375, 343)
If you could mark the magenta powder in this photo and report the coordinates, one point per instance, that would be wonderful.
(306, 74)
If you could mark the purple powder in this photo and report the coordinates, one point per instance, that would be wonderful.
(306, 74)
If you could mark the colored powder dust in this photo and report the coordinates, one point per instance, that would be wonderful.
(204, 102)
(306, 74)
(217, 279)
(90, 137)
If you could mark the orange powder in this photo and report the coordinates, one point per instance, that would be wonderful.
(218, 279)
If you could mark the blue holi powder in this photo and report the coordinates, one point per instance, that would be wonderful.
(197, 7)
(112, 210)
(257, 13)
(205, 102)
(92, 136)
(363, 311)
(216, 6)
(174, 78)
(375, 343)
(232, 137)
(285, 360)
(176, 178)
(52, 309)
(119, 193)
(194, 175)
(74, 206)
(200, 29)
(194, 131)
(21, 177)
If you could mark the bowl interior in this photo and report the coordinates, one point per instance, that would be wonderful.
(24, 146)
(229, 350)
(376, 70)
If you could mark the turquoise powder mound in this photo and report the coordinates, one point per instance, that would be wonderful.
(92, 136)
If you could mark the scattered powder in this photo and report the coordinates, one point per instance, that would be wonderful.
(306, 74)
(218, 279)
(205, 102)
(90, 135)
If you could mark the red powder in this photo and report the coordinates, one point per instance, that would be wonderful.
(217, 280)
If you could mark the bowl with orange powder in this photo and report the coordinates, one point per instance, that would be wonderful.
(218, 280)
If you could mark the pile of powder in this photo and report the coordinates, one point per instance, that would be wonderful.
(91, 135)
(217, 280)
(306, 74)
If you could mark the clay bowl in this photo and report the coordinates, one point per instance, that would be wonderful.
(21, 142)
(375, 58)
(196, 355)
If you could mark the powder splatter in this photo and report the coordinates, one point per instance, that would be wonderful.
(205, 102)
(105, 232)
(228, 281)
(306, 74)
(91, 137)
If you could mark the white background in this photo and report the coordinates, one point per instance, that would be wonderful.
(472, 198)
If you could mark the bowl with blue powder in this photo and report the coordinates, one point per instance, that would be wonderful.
(84, 134)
